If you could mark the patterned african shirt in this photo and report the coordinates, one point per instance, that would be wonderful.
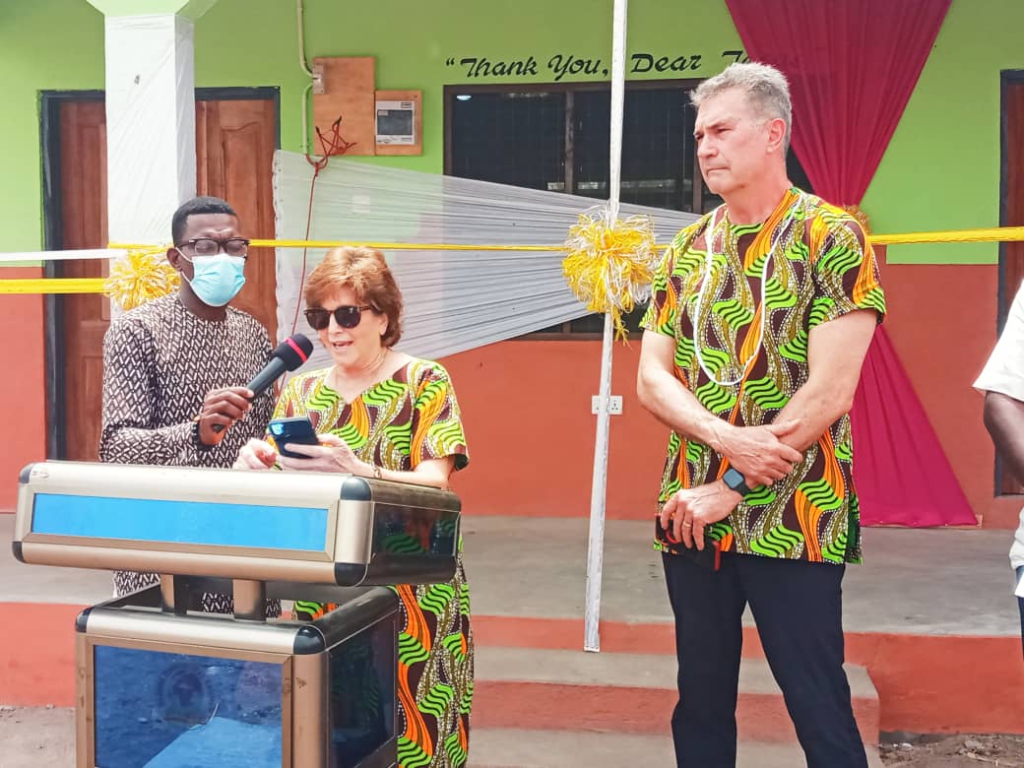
(819, 267)
(409, 417)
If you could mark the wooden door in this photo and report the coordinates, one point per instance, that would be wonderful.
(235, 143)
(1013, 263)
(83, 180)
(235, 147)
(1013, 253)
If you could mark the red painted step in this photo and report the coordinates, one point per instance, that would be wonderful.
(628, 693)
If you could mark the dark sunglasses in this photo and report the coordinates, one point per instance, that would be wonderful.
(346, 317)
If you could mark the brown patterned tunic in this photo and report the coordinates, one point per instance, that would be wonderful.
(159, 361)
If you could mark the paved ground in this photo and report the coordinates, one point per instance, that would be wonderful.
(944, 582)
(960, 751)
(927, 581)
(33, 738)
(37, 737)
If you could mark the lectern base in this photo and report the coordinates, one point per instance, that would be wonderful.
(159, 689)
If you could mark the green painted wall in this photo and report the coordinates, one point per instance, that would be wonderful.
(941, 172)
(44, 45)
(413, 43)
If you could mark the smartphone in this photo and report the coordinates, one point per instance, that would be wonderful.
(296, 429)
(709, 557)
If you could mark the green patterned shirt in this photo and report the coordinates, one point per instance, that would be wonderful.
(819, 267)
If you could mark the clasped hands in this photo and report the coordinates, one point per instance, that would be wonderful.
(757, 453)
(332, 455)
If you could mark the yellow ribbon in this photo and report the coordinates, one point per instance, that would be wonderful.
(52, 285)
(990, 235)
(59, 285)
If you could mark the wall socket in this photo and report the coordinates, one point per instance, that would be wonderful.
(614, 404)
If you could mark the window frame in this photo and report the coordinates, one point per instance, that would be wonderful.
(569, 89)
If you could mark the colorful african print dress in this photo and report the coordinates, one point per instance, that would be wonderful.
(741, 313)
(410, 417)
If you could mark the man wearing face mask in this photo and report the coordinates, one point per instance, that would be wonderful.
(173, 365)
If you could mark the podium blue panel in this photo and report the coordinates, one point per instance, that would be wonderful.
(181, 522)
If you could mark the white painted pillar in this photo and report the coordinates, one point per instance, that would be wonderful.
(151, 124)
(151, 114)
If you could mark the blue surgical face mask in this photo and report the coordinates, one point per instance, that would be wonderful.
(216, 280)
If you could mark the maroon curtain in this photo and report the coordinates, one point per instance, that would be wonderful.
(852, 66)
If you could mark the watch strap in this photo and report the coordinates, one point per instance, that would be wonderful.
(197, 441)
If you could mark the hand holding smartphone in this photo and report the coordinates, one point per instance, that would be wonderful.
(295, 429)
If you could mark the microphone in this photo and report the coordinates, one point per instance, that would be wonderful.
(289, 355)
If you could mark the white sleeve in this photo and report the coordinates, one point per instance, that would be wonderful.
(1004, 371)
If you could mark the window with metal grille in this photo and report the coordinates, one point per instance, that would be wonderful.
(556, 137)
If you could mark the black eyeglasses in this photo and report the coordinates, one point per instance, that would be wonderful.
(207, 246)
(347, 317)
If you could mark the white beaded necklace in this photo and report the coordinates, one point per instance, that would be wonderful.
(708, 264)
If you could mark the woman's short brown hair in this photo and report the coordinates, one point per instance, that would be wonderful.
(365, 271)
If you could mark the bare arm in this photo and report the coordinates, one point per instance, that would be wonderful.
(432, 472)
(666, 398)
(1004, 419)
(757, 452)
(835, 354)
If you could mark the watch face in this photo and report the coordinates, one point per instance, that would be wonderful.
(735, 481)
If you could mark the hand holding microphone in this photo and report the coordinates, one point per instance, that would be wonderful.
(223, 407)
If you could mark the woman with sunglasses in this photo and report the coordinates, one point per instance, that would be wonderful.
(382, 413)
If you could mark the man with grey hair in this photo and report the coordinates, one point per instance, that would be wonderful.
(760, 318)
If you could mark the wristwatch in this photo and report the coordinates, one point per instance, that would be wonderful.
(197, 441)
(735, 482)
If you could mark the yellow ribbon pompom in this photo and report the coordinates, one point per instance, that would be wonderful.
(610, 263)
(141, 276)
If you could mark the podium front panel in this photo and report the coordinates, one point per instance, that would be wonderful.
(305, 527)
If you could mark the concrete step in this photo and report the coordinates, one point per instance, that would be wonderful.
(628, 693)
(516, 748)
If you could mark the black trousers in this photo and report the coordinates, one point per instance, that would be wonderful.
(797, 607)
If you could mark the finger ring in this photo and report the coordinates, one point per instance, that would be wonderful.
(688, 523)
